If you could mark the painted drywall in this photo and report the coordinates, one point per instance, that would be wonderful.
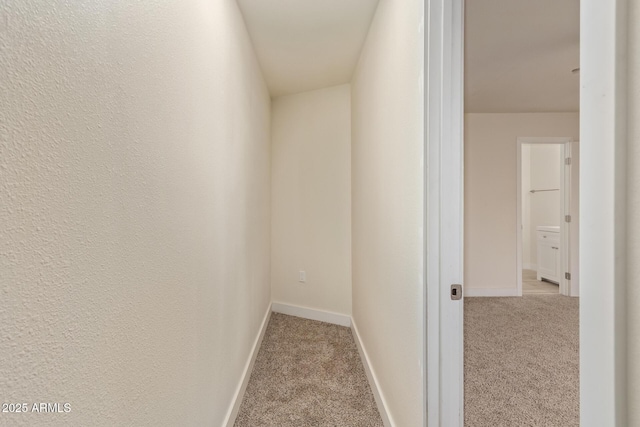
(519, 56)
(388, 206)
(490, 190)
(134, 203)
(307, 45)
(544, 208)
(633, 217)
(311, 199)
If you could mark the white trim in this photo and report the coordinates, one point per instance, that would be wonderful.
(232, 414)
(544, 139)
(444, 152)
(603, 333)
(492, 292)
(518, 218)
(371, 376)
(311, 313)
(564, 192)
(565, 227)
(527, 266)
(574, 227)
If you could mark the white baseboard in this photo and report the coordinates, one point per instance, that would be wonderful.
(230, 419)
(533, 267)
(371, 376)
(312, 314)
(491, 292)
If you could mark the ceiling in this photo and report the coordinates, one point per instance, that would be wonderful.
(307, 44)
(519, 55)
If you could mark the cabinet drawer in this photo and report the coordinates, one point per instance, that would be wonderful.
(549, 236)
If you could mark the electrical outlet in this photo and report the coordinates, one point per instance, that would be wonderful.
(303, 276)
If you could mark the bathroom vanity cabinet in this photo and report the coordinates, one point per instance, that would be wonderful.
(549, 255)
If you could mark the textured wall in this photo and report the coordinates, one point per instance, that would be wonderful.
(490, 190)
(633, 218)
(311, 199)
(134, 203)
(388, 205)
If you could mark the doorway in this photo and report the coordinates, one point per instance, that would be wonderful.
(521, 108)
(548, 217)
(602, 304)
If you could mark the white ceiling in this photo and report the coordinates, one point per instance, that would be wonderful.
(519, 55)
(307, 44)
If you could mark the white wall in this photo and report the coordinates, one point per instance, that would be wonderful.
(388, 206)
(134, 203)
(544, 208)
(311, 199)
(490, 190)
(633, 217)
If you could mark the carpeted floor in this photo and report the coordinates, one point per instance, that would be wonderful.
(521, 363)
(307, 373)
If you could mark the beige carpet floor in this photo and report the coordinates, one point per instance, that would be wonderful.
(521, 363)
(307, 373)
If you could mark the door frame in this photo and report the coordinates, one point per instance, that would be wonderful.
(444, 151)
(572, 181)
(603, 115)
(565, 197)
(603, 110)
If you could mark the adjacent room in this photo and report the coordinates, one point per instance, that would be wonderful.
(521, 212)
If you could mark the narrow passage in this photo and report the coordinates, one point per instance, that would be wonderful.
(307, 373)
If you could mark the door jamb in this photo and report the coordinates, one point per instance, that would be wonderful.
(444, 150)
(603, 116)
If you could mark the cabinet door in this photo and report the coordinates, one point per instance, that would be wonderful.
(548, 260)
(558, 270)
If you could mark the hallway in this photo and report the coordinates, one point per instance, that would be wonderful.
(307, 373)
(171, 170)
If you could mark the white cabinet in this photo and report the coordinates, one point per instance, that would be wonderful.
(549, 256)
